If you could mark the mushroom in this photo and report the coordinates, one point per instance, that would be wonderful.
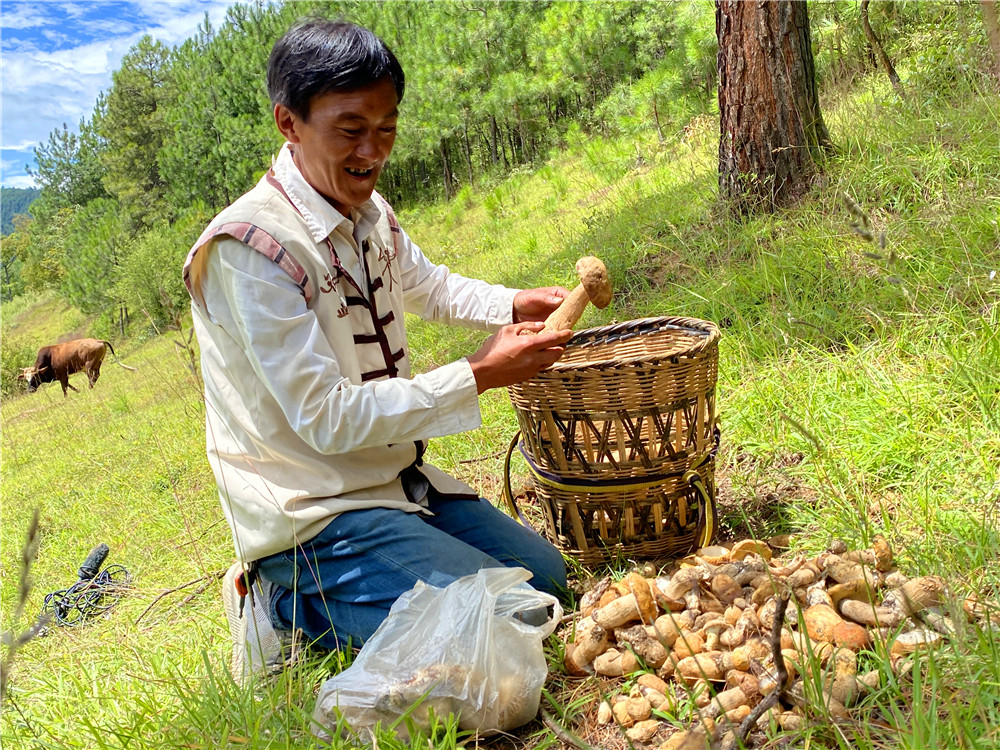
(639, 587)
(653, 682)
(864, 613)
(590, 642)
(649, 649)
(589, 601)
(618, 612)
(713, 555)
(783, 571)
(916, 594)
(824, 624)
(708, 665)
(683, 585)
(844, 684)
(856, 589)
(816, 594)
(712, 630)
(915, 640)
(620, 712)
(746, 624)
(688, 644)
(667, 628)
(801, 578)
(750, 547)
(659, 701)
(883, 554)
(643, 731)
(609, 663)
(637, 706)
(593, 287)
(780, 541)
(734, 717)
(726, 701)
(894, 579)
(725, 588)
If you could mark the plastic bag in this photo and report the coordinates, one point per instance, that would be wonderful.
(461, 649)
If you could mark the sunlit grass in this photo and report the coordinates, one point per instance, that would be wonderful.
(858, 391)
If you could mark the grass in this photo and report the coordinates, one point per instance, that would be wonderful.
(858, 391)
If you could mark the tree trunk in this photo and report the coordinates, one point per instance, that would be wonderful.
(468, 151)
(494, 137)
(876, 45)
(656, 119)
(993, 32)
(446, 164)
(771, 128)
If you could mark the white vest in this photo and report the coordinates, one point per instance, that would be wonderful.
(276, 490)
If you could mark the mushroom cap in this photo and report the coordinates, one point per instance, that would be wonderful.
(594, 278)
(716, 625)
(920, 638)
(643, 597)
(683, 580)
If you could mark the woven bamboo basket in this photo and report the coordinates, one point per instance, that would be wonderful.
(620, 439)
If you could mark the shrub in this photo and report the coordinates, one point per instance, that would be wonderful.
(16, 352)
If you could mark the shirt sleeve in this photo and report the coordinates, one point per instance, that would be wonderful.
(265, 315)
(433, 292)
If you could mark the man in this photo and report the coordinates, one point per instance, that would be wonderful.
(315, 427)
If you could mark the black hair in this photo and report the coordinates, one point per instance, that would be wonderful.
(317, 56)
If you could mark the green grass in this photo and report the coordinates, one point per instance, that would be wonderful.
(858, 394)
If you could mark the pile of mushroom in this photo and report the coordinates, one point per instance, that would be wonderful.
(703, 642)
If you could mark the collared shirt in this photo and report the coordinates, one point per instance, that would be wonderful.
(259, 337)
(326, 221)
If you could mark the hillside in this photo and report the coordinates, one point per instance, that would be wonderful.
(858, 393)
(14, 201)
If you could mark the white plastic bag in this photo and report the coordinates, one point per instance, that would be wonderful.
(461, 649)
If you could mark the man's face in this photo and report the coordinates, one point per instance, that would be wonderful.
(344, 143)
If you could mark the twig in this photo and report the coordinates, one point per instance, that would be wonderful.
(779, 665)
(196, 593)
(564, 735)
(209, 577)
(202, 534)
(11, 640)
(487, 457)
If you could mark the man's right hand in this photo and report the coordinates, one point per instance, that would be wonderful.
(506, 357)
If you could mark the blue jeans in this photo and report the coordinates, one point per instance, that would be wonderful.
(338, 587)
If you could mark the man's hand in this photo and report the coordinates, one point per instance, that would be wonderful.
(536, 304)
(506, 357)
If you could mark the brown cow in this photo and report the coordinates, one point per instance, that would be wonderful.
(59, 361)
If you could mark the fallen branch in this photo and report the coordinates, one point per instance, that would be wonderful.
(563, 735)
(782, 672)
(477, 459)
(208, 577)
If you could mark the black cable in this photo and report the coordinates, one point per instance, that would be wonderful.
(96, 592)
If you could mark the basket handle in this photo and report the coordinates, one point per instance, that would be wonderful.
(708, 515)
(508, 494)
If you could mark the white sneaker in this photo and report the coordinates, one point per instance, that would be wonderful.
(257, 646)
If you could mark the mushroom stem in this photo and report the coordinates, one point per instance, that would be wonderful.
(569, 311)
(593, 287)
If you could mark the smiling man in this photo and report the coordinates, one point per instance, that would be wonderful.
(316, 428)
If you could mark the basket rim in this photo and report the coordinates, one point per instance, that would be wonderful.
(706, 331)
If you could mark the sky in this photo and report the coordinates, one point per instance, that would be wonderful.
(56, 57)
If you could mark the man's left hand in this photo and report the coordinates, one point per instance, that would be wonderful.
(536, 304)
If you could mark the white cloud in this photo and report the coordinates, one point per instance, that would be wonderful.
(19, 181)
(24, 16)
(48, 81)
(182, 23)
(22, 146)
